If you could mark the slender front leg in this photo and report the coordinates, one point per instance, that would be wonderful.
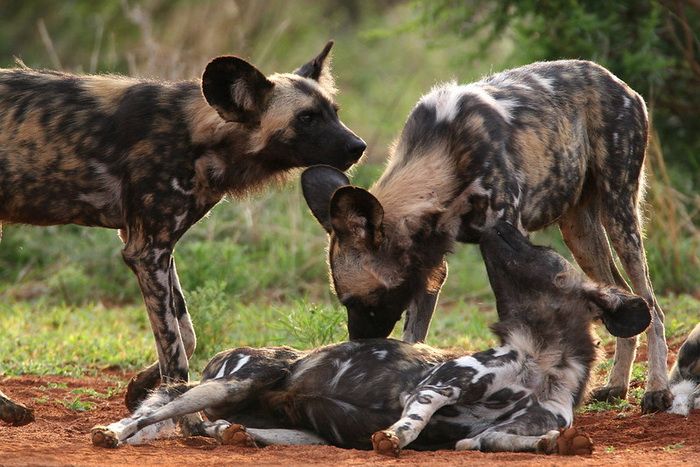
(420, 406)
(149, 378)
(420, 310)
(152, 264)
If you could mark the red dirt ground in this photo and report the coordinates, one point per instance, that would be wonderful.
(60, 436)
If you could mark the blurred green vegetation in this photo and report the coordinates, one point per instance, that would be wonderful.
(254, 271)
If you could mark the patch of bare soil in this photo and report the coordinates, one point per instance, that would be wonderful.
(60, 436)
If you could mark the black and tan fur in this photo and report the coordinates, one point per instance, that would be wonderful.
(390, 394)
(550, 143)
(151, 158)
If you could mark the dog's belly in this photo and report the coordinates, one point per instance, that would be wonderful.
(58, 189)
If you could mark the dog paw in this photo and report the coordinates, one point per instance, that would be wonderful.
(572, 442)
(608, 393)
(140, 387)
(656, 401)
(104, 437)
(236, 435)
(547, 443)
(15, 414)
(386, 443)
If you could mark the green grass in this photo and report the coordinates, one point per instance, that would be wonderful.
(254, 273)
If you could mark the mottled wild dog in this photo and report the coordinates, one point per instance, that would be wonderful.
(558, 142)
(390, 394)
(151, 158)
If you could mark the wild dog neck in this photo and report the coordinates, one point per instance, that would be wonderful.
(232, 159)
(416, 193)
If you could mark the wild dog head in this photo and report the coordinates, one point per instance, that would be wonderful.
(536, 283)
(376, 268)
(291, 117)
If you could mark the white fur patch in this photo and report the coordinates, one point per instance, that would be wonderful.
(445, 99)
(243, 359)
(342, 368)
(545, 82)
(686, 396)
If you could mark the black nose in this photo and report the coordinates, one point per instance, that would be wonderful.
(355, 147)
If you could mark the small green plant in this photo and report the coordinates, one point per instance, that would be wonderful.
(311, 325)
(609, 449)
(78, 405)
(674, 447)
(605, 406)
(52, 385)
(111, 391)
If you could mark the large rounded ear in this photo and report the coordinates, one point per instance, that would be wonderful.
(624, 314)
(356, 215)
(318, 183)
(235, 89)
(319, 69)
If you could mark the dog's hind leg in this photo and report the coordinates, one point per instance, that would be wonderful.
(234, 434)
(420, 406)
(623, 226)
(584, 234)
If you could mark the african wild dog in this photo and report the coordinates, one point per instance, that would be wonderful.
(515, 397)
(685, 376)
(151, 158)
(554, 142)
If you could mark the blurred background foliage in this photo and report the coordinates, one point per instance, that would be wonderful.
(264, 257)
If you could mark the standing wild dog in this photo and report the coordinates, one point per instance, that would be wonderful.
(556, 142)
(390, 394)
(151, 158)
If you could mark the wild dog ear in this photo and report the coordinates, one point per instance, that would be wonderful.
(318, 183)
(624, 314)
(319, 69)
(235, 89)
(357, 215)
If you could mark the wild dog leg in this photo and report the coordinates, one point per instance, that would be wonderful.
(497, 441)
(151, 262)
(420, 406)
(163, 406)
(14, 413)
(149, 378)
(566, 442)
(116, 433)
(625, 234)
(420, 309)
(418, 316)
(584, 234)
(234, 434)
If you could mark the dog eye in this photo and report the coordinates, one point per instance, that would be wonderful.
(307, 117)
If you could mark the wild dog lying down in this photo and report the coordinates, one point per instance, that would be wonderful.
(151, 158)
(685, 376)
(558, 142)
(391, 394)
